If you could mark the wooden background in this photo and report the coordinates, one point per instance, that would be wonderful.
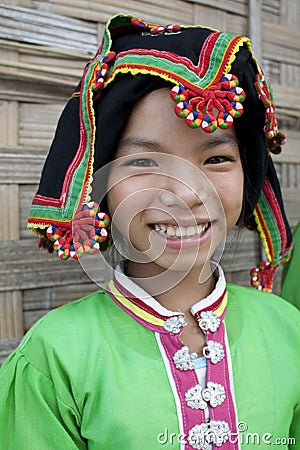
(44, 45)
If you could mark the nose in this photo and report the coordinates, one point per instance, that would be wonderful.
(181, 193)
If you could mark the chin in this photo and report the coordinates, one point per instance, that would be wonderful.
(183, 262)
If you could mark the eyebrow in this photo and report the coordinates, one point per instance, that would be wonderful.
(132, 143)
(226, 138)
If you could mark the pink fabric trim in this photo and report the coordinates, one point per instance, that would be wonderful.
(184, 380)
(143, 322)
(137, 301)
(219, 373)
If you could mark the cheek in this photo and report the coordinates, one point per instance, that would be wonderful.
(113, 199)
(120, 196)
(117, 208)
(231, 193)
(133, 194)
(126, 206)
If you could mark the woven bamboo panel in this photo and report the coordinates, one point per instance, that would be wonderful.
(21, 164)
(7, 346)
(11, 318)
(9, 219)
(43, 28)
(37, 302)
(238, 7)
(220, 19)
(169, 11)
(44, 45)
(37, 123)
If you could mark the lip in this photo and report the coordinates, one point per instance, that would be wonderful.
(185, 222)
(185, 242)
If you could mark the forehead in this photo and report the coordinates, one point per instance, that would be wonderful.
(154, 126)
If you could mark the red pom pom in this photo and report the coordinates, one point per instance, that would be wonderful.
(262, 276)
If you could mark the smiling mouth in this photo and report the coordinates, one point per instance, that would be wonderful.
(176, 232)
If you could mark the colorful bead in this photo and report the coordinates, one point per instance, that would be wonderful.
(108, 57)
(153, 28)
(101, 71)
(89, 230)
(100, 75)
(53, 233)
(275, 138)
(198, 108)
(262, 276)
(139, 22)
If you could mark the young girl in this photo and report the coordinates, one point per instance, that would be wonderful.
(166, 355)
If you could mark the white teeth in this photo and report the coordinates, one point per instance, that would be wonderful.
(190, 231)
(178, 232)
(173, 232)
(201, 228)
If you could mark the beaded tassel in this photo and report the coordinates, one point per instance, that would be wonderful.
(89, 230)
(197, 108)
(275, 138)
(153, 28)
(262, 276)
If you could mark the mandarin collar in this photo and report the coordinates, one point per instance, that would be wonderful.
(151, 314)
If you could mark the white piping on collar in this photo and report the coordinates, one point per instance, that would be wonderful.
(141, 294)
(214, 295)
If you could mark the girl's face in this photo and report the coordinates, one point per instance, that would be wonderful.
(174, 192)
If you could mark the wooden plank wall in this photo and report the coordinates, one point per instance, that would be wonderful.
(44, 45)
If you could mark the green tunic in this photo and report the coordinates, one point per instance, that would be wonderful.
(291, 271)
(89, 376)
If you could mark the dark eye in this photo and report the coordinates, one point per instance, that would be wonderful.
(218, 159)
(143, 162)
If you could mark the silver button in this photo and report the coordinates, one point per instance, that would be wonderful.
(197, 397)
(214, 394)
(183, 360)
(194, 397)
(209, 321)
(220, 431)
(214, 351)
(174, 324)
(197, 437)
(215, 432)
